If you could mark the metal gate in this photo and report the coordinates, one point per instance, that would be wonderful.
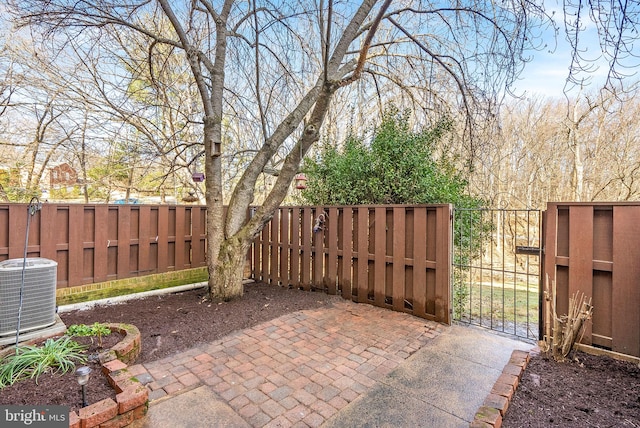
(497, 268)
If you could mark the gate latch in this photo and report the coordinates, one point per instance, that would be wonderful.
(531, 251)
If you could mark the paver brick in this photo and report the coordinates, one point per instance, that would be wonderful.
(513, 370)
(272, 408)
(280, 393)
(313, 420)
(324, 409)
(97, 413)
(508, 379)
(259, 419)
(296, 414)
(503, 389)
(497, 402)
(304, 397)
(256, 396)
(172, 388)
(489, 415)
(249, 410)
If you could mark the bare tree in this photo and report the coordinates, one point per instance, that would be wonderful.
(616, 24)
(539, 154)
(275, 69)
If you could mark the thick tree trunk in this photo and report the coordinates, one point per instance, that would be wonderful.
(229, 270)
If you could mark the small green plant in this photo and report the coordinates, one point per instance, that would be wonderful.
(31, 361)
(95, 330)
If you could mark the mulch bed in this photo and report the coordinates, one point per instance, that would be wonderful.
(584, 391)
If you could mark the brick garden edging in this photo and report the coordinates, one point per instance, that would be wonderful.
(490, 414)
(132, 398)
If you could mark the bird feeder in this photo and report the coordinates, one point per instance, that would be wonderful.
(301, 181)
(198, 177)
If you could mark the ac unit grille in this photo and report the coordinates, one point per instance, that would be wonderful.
(38, 297)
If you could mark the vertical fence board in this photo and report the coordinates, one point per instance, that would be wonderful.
(181, 235)
(144, 245)
(306, 254)
(581, 256)
(347, 252)
(626, 292)
(380, 255)
(285, 247)
(100, 243)
(398, 258)
(433, 240)
(295, 247)
(363, 254)
(318, 250)
(196, 255)
(17, 230)
(420, 261)
(163, 238)
(48, 231)
(332, 257)
(443, 264)
(124, 246)
(4, 232)
(274, 247)
(76, 244)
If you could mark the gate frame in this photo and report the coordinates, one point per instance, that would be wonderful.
(518, 250)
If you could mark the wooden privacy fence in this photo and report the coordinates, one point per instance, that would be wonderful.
(395, 257)
(97, 243)
(595, 249)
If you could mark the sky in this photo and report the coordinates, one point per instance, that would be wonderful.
(547, 73)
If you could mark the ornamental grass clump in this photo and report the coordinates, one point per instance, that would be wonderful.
(60, 355)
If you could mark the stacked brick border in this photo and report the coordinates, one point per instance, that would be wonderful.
(490, 414)
(132, 398)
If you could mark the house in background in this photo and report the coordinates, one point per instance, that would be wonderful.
(62, 175)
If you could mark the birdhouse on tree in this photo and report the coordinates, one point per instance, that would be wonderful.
(301, 181)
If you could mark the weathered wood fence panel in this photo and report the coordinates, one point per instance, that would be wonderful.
(594, 248)
(97, 243)
(395, 257)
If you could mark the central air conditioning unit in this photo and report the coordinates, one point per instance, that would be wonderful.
(38, 294)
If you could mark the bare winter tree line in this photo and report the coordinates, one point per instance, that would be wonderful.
(138, 95)
(584, 149)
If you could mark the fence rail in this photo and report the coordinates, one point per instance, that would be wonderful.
(594, 248)
(396, 257)
(97, 243)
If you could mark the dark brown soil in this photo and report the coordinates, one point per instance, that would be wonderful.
(169, 324)
(586, 391)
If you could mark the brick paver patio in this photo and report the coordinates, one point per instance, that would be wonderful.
(299, 369)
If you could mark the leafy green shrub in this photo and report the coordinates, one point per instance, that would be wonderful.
(394, 165)
(31, 361)
(95, 330)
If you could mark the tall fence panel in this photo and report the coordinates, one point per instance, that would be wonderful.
(97, 243)
(395, 257)
(594, 248)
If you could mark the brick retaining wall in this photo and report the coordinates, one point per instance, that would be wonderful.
(132, 398)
